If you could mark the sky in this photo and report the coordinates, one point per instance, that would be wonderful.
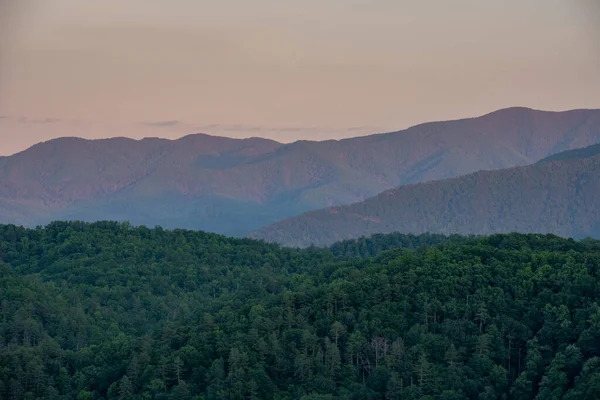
(284, 69)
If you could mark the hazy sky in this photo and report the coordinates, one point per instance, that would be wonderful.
(285, 69)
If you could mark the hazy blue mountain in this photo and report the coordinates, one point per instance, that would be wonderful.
(559, 197)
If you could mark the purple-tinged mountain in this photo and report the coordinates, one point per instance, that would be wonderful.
(236, 186)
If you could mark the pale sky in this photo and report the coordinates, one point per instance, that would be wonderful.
(285, 69)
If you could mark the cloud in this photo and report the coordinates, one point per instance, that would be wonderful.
(230, 127)
(254, 128)
(208, 127)
(294, 129)
(49, 120)
(240, 127)
(26, 120)
(358, 128)
(163, 123)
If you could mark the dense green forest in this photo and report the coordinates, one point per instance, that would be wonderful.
(109, 311)
(373, 245)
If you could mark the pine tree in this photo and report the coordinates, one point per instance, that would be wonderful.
(125, 389)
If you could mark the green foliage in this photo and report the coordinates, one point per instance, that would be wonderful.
(373, 245)
(109, 311)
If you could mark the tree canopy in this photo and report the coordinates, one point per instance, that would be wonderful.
(111, 311)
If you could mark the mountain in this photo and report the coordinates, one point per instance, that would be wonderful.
(236, 186)
(559, 197)
(589, 151)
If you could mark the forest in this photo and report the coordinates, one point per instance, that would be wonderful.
(111, 311)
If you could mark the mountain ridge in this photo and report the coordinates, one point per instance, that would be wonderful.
(555, 197)
(584, 152)
(235, 186)
(501, 111)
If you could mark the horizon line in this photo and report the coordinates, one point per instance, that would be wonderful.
(218, 136)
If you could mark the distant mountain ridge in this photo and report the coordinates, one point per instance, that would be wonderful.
(559, 197)
(586, 152)
(235, 186)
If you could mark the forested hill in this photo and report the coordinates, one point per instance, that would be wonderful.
(585, 152)
(108, 311)
(373, 245)
(559, 195)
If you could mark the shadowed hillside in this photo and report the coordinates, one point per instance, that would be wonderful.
(558, 197)
(589, 151)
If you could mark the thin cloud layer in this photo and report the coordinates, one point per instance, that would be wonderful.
(163, 123)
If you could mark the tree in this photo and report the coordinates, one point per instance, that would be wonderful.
(337, 331)
(180, 392)
(125, 389)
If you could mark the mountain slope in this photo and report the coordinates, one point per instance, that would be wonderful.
(235, 186)
(558, 197)
(589, 151)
